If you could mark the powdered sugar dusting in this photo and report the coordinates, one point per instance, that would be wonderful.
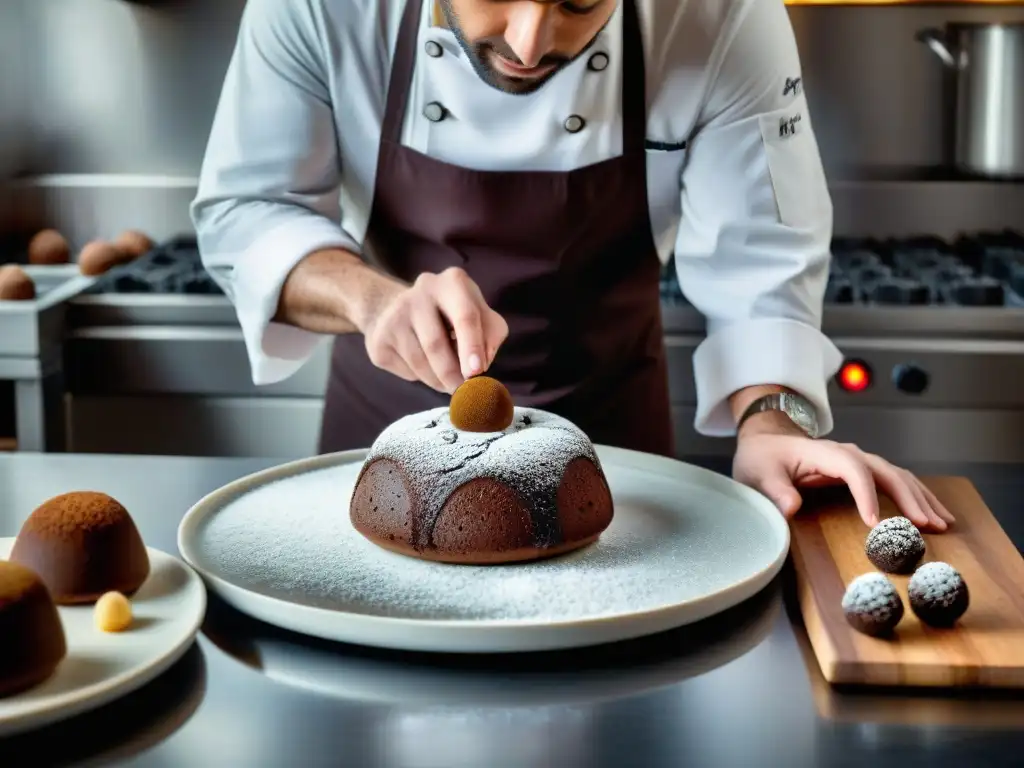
(937, 584)
(870, 593)
(530, 455)
(895, 544)
(669, 542)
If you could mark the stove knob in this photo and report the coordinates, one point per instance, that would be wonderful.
(979, 294)
(901, 293)
(910, 379)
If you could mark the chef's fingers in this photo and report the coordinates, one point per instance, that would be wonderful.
(495, 333)
(387, 358)
(895, 483)
(495, 327)
(408, 346)
(937, 505)
(436, 344)
(460, 302)
(401, 370)
(834, 460)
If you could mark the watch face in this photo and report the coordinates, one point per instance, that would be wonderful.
(802, 415)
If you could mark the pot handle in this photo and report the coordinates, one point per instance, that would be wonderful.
(935, 39)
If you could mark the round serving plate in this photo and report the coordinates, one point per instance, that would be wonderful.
(562, 678)
(685, 544)
(100, 666)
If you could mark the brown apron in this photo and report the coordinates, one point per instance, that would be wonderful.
(570, 263)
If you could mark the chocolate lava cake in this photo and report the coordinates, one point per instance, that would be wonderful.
(507, 485)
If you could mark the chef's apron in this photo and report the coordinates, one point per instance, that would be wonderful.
(566, 258)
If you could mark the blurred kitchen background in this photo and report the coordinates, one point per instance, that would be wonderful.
(104, 111)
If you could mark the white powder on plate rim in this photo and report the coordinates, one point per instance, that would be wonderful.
(292, 539)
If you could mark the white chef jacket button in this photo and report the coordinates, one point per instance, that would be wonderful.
(434, 49)
(598, 62)
(435, 112)
(574, 123)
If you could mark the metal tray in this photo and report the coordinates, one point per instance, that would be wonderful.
(27, 328)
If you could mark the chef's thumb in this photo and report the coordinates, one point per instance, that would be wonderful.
(778, 487)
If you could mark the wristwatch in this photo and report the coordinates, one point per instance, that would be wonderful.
(798, 408)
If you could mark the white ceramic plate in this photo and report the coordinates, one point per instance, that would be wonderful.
(685, 544)
(100, 667)
(616, 672)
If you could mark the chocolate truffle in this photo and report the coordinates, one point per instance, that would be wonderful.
(15, 284)
(31, 633)
(82, 545)
(481, 404)
(894, 545)
(134, 242)
(938, 594)
(98, 257)
(872, 605)
(49, 247)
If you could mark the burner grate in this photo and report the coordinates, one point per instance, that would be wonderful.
(980, 270)
(173, 267)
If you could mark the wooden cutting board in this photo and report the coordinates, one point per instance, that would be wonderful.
(985, 648)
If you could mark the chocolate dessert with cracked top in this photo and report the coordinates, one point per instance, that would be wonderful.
(505, 485)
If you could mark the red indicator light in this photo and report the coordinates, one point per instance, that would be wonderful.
(854, 376)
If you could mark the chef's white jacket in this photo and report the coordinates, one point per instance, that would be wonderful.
(744, 206)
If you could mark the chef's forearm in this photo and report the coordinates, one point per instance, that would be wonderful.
(740, 400)
(333, 292)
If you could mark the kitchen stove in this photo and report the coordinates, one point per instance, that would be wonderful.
(932, 330)
(979, 271)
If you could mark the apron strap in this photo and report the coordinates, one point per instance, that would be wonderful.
(402, 68)
(634, 81)
(634, 78)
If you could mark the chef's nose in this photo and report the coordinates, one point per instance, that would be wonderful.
(529, 31)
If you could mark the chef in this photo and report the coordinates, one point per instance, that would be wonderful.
(452, 187)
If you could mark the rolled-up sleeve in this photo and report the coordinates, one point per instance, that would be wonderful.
(269, 187)
(752, 252)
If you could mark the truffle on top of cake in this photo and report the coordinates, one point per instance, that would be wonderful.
(82, 544)
(481, 404)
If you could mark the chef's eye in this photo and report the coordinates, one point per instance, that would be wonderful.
(579, 8)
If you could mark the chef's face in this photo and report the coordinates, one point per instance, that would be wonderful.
(517, 45)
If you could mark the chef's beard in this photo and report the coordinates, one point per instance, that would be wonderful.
(478, 52)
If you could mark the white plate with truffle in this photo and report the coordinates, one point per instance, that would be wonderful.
(101, 666)
(684, 544)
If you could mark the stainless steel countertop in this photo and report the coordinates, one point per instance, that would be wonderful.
(738, 690)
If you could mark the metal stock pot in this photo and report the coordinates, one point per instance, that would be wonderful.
(987, 61)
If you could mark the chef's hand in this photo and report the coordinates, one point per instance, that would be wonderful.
(776, 458)
(412, 334)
